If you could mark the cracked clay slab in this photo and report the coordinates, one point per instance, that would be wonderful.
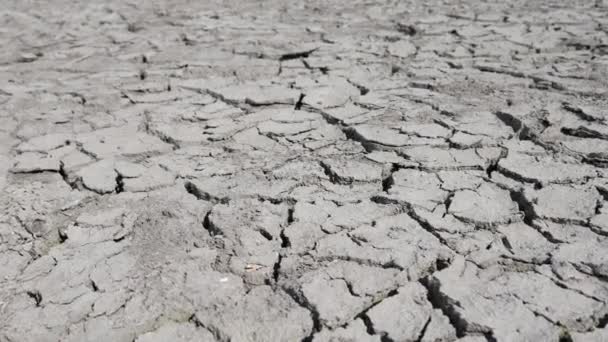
(327, 171)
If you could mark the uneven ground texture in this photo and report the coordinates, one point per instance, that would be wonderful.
(303, 171)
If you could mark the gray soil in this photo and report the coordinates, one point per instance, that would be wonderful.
(303, 171)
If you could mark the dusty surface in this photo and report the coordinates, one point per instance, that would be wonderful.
(303, 171)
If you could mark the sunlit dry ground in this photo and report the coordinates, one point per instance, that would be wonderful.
(303, 171)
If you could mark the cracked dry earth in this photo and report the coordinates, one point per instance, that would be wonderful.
(303, 171)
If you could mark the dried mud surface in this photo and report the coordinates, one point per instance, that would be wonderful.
(303, 171)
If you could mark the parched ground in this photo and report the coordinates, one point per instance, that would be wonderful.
(303, 171)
